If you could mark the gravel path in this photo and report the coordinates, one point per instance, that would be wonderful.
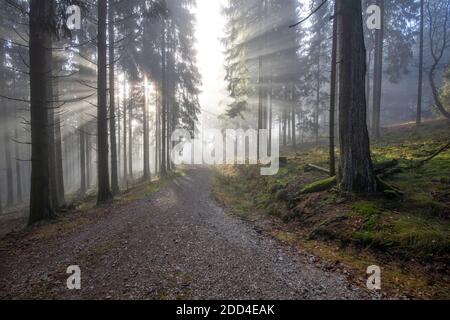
(178, 244)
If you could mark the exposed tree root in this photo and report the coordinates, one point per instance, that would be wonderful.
(312, 167)
(421, 163)
(390, 172)
(382, 170)
(379, 168)
(382, 167)
(387, 188)
(329, 183)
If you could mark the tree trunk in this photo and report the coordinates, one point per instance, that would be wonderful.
(378, 76)
(170, 112)
(437, 48)
(289, 123)
(51, 147)
(65, 163)
(18, 169)
(104, 191)
(317, 107)
(420, 88)
(83, 185)
(88, 147)
(333, 85)
(284, 127)
(368, 85)
(130, 140)
(280, 128)
(59, 162)
(119, 137)
(163, 104)
(9, 166)
(112, 102)
(293, 118)
(261, 95)
(356, 168)
(6, 118)
(169, 124)
(75, 158)
(125, 135)
(270, 116)
(2, 85)
(147, 49)
(40, 69)
(260, 102)
(157, 131)
(146, 138)
(60, 192)
(436, 93)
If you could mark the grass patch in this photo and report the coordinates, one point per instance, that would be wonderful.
(366, 208)
(408, 235)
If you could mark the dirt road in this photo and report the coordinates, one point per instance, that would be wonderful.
(179, 243)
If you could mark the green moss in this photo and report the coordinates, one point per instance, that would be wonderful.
(366, 208)
(422, 234)
(319, 186)
(371, 224)
(423, 203)
(417, 235)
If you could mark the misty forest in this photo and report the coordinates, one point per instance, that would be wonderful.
(355, 96)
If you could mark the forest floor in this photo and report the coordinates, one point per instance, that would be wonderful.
(167, 240)
(407, 236)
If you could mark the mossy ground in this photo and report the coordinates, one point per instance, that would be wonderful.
(408, 236)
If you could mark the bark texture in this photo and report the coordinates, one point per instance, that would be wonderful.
(40, 69)
(378, 76)
(421, 45)
(356, 168)
(333, 84)
(104, 191)
(112, 102)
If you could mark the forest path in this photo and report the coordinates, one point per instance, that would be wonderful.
(179, 243)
